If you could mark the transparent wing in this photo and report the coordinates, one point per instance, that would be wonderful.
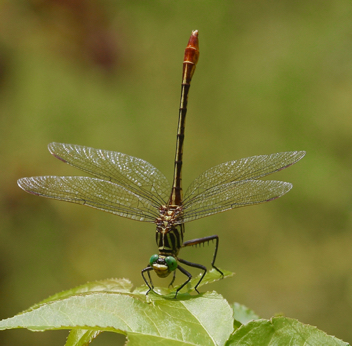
(234, 184)
(92, 192)
(136, 175)
(234, 195)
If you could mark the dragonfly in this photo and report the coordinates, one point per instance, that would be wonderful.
(133, 188)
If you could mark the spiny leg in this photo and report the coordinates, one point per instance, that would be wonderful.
(205, 240)
(148, 269)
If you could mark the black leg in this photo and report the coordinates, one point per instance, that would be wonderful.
(195, 265)
(173, 279)
(148, 269)
(205, 240)
(183, 271)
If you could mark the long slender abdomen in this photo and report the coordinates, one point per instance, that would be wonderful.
(189, 65)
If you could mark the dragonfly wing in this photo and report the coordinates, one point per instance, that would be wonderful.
(233, 195)
(96, 193)
(250, 168)
(137, 175)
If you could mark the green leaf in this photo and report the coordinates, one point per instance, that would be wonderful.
(81, 337)
(281, 331)
(242, 315)
(109, 305)
(204, 319)
(107, 285)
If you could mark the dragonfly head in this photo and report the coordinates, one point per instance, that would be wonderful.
(163, 265)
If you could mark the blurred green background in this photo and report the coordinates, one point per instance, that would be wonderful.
(272, 76)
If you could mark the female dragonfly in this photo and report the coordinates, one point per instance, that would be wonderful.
(131, 187)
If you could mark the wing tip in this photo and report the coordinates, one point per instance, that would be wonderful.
(286, 187)
(22, 182)
(301, 154)
(26, 185)
(52, 147)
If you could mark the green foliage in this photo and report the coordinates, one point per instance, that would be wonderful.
(272, 76)
(242, 314)
(204, 319)
(280, 331)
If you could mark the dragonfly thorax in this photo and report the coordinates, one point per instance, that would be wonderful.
(169, 230)
(169, 214)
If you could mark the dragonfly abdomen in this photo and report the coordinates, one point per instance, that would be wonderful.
(189, 65)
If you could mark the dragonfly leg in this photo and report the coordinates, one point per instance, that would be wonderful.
(173, 279)
(148, 269)
(202, 241)
(195, 265)
(183, 271)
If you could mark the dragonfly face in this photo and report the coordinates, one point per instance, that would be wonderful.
(133, 188)
(162, 265)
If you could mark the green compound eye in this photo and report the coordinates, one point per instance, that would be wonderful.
(153, 259)
(171, 263)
